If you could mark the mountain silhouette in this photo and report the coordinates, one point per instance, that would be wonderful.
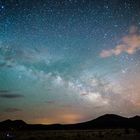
(105, 121)
(9, 124)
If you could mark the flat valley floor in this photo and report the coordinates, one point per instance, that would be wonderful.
(102, 134)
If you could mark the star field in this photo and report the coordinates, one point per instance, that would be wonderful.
(67, 61)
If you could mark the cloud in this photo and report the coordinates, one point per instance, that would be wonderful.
(4, 91)
(12, 110)
(9, 95)
(130, 44)
(50, 102)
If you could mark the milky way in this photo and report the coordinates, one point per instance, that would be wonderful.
(68, 61)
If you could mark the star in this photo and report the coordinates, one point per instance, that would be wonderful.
(2, 7)
(123, 71)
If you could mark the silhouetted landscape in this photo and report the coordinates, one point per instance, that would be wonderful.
(108, 126)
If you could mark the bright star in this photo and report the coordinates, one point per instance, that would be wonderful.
(2, 7)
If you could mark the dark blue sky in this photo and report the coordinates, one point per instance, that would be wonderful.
(77, 58)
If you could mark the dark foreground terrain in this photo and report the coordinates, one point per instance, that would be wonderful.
(106, 127)
(102, 134)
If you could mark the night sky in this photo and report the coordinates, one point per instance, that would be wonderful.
(69, 61)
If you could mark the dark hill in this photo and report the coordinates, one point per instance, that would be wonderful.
(9, 124)
(109, 120)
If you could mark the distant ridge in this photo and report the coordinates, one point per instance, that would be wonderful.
(105, 121)
(9, 124)
(18, 122)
